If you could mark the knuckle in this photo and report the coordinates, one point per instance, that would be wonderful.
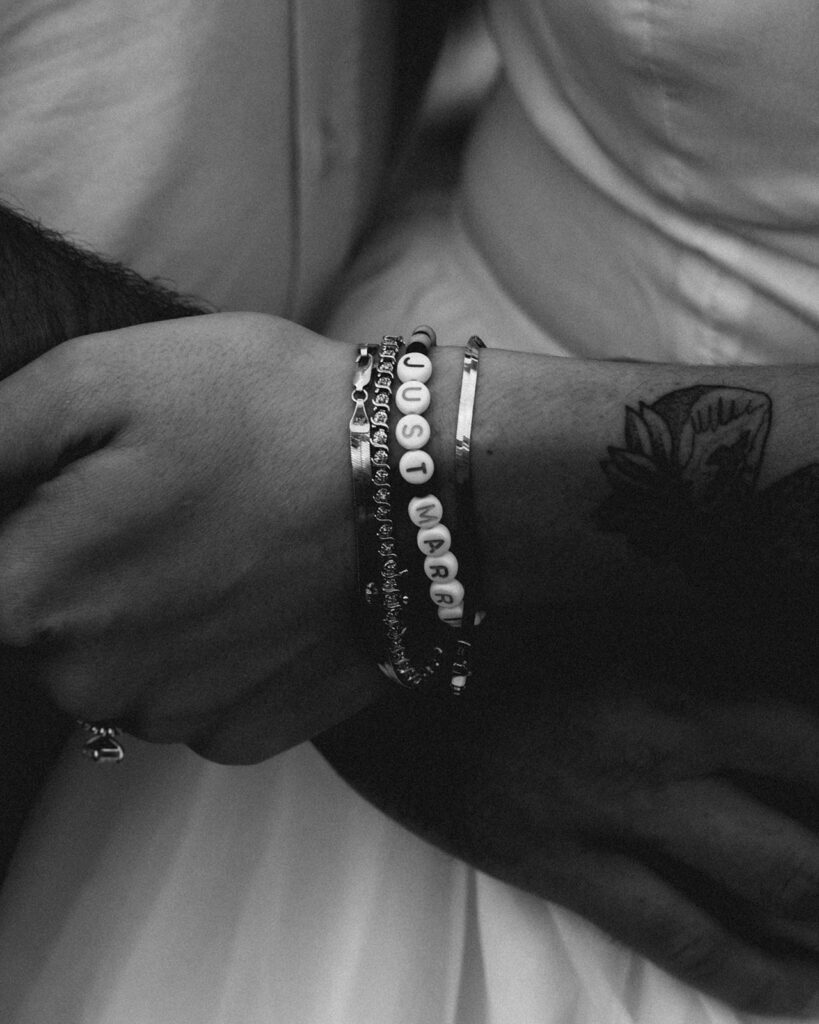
(697, 955)
(702, 959)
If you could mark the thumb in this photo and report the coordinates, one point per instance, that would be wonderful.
(54, 410)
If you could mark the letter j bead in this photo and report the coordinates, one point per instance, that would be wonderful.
(414, 366)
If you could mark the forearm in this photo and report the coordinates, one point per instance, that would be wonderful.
(51, 291)
(559, 520)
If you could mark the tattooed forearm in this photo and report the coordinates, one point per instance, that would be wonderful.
(684, 492)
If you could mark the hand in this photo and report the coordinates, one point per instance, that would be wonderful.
(179, 554)
(661, 787)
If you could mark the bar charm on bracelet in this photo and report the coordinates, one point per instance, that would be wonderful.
(461, 666)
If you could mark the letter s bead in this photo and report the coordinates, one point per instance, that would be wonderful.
(412, 431)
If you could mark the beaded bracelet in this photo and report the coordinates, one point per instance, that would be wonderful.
(398, 665)
(416, 467)
(455, 602)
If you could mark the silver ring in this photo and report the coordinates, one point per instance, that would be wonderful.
(102, 746)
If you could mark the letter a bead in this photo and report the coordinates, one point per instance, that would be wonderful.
(434, 540)
(412, 431)
(416, 467)
(414, 366)
(412, 397)
(425, 511)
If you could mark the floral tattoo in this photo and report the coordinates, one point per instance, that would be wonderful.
(684, 491)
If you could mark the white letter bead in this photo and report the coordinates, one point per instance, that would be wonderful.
(412, 431)
(412, 397)
(424, 335)
(434, 540)
(416, 467)
(440, 568)
(452, 615)
(449, 594)
(414, 366)
(425, 511)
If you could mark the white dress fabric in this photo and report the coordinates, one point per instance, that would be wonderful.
(643, 184)
(230, 148)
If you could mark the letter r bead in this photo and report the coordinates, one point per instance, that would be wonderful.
(449, 594)
(441, 567)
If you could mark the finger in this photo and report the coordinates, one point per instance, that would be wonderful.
(54, 405)
(777, 739)
(271, 719)
(641, 909)
(53, 548)
(745, 848)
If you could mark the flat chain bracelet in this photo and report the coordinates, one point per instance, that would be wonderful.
(461, 666)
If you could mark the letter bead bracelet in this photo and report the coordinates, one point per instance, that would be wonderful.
(451, 584)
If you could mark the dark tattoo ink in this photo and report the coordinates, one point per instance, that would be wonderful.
(684, 492)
